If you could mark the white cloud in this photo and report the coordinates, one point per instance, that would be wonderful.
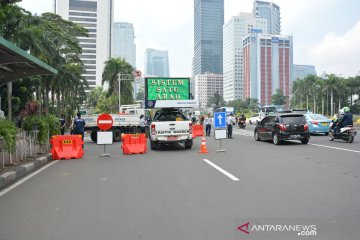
(338, 54)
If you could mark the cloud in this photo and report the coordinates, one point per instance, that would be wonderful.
(339, 54)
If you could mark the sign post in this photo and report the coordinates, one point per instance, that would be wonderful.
(104, 122)
(220, 128)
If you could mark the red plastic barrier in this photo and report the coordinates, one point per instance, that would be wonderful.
(134, 143)
(198, 130)
(66, 147)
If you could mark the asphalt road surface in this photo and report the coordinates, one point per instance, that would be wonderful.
(175, 193)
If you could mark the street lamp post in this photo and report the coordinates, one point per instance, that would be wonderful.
(125, 77)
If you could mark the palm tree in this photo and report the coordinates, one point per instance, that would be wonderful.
(309, 82)
(114, 67)
(298, 91)
(332, 84)
(353, 86)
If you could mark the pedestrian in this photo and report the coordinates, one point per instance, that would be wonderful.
(79, 126)
(192, 118)
(202, 119)
(230, 121)
(142, 123)
(62, 124)
(208, 122)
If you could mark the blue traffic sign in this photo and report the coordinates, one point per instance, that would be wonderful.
(220, 120)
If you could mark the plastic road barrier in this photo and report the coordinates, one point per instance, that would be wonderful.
(134, 143)
(66, 147)
(198, 130)
(203, 148)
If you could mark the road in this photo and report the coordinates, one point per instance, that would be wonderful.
(181, 194)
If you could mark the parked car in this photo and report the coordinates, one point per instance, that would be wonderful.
(254, 119)
(281, 127)
(317, 123)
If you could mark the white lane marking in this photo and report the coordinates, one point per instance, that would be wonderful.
(18, 183)
(343, 149)
(222, 170)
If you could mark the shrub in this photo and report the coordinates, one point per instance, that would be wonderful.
(8, 132)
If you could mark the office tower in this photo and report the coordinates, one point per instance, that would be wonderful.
(234, 30)
(97, 17)
(268, 61)
(156, 63)
(271, 12)
(208, 36)
(301, 71)
(206, 85)
(123, 45)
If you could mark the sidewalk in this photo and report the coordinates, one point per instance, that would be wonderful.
(12, 174)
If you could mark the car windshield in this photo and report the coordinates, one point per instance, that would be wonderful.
(317, 117)
(169, 116)
(293, 120)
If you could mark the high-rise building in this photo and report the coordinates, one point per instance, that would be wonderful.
(97, 17)
(234, 30)
(208, 36)
(206, 85)
(157, 63)
(268, 61)
(301, 71)
(123, 45)
(271, 12)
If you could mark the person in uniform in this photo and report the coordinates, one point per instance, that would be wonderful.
(208, 122)
(142, 123)
(79, 126)
(230, 121)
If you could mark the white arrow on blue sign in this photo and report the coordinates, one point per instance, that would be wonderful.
(220, 120)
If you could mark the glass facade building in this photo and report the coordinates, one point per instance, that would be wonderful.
(271, 12)
(301, 71)
(156, 63)
(123, 42)
(208, 36)
(97, 17)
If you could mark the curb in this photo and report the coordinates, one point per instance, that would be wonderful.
(22, 170)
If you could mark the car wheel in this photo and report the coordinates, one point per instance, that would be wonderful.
(117, 135)
(305, 141)
(188, 144)
(326, 133)
(256, 136)
(276, 139)
(154, 145)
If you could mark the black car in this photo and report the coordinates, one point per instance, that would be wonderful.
(283, 127)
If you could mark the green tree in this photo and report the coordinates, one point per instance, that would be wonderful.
(114, 67)
(278, 98)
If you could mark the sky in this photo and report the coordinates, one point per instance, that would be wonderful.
(326, 33)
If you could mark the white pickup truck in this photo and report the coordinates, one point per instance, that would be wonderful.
(170, 125)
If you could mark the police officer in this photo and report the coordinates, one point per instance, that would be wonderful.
(79, 125)
(230, 120)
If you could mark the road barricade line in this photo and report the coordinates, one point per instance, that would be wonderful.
(232, 177)
(336, 148)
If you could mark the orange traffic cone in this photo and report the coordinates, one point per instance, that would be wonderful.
(203, 148)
